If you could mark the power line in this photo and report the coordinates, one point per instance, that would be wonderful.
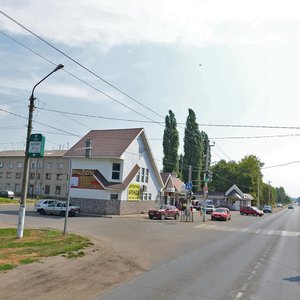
(282, 165)
(79, 64)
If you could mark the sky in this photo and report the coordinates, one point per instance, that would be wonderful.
(128, 62)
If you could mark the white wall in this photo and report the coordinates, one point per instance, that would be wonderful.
(129, 159)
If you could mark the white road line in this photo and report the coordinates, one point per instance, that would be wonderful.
(249, 230)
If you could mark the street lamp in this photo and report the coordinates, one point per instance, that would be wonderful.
(26, 160)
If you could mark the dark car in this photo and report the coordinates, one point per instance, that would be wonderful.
(251, 210)
(267, 209)
(290, 207)
(163, 212)
(7, 194)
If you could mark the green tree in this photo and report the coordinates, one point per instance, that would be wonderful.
(193, 151)
(170, 144)
(224, 175)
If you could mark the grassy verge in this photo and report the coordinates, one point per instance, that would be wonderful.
(37, 244)
(15, 201)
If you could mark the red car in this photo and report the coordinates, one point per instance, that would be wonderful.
(221, 214)
(163, 212)
(251, 210)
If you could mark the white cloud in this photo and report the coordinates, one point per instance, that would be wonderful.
(114, 22)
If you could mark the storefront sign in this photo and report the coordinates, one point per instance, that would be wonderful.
(84, 179)
(134, 192)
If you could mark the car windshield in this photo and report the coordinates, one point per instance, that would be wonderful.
(220, 210)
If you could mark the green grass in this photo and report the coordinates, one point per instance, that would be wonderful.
(15, 201)
(37, 244)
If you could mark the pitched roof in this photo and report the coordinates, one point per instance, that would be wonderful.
(105, 143)
(175, 181)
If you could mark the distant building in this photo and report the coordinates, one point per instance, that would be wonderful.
(47, 176)
(233, 198)
(174, 189)
(114, 172)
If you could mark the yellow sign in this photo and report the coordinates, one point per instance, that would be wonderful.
(134, 192)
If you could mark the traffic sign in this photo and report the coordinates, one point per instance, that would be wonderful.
(189, 186)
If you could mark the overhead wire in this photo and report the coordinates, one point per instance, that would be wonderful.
(79, 64)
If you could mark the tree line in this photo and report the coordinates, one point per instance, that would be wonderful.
(196, 160)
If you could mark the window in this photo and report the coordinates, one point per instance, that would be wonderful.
(19, 165)
(39, 176)
(33, 165)
(147, 175)
(60, 166)
(59, 176)
(114, 196)
(1, 174)
(10, 165)
(143, 175)
(8, 174)
(57, 190)
(47, 189)
(1, 164)
(32, 176)
(17, 188)
(49, 165)
(48, 176)
(116, 170)
(39, 165)
(18, 175)
(138, 176)
(146, 196)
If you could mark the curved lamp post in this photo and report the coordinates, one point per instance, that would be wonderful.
(26, 160)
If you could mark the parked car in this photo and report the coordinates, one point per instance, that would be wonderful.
(221, 213)
(279, 205)
(163, 212)
(251, 210)
(267, 209)
(42, 204)
(7, 194)
(59, 208)
(290, 206)
(210, 208)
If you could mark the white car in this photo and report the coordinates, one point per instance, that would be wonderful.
(43, 203)
(59, 208)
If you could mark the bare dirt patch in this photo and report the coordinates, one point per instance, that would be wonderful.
(100, 269)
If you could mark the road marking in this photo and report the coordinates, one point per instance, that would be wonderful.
(239, 295)
(249, 230)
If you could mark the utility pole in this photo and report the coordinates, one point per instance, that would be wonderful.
(205, 188)
(22, 208)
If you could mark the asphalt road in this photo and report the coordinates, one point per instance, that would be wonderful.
(261, 261)
(245, 258)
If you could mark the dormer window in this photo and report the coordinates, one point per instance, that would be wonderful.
(116, 171)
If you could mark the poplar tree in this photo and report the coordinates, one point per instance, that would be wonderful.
(170, 144)
(193, 151)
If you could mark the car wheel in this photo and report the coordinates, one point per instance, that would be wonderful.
(241, 213)
(162, 217)
(176, 217)
(62, 213)
(150, 217)
(42, 211)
